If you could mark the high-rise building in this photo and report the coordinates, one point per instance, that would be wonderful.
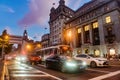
(58, 17)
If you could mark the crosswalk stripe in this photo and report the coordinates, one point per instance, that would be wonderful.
(28, 75)
(27, 71)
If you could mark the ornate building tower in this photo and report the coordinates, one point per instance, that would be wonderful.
(58, 17)
(25, 35)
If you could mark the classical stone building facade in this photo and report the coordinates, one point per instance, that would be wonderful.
(45, 42)
(58, 17)
(95, 28)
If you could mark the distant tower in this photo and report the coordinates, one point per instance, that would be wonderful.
(25, 35)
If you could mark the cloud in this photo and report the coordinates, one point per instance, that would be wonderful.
(40, 9)
(39, 12)
(6, 8)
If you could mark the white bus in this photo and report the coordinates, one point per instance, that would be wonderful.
(64, 50)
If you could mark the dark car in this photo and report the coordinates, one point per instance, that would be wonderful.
(65, 64)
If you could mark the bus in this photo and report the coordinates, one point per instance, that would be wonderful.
(62, 50)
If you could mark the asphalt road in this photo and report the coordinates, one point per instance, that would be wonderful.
(20, 71)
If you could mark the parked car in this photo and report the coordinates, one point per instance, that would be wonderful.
(92, 61)
(34, 59)
(65, 64)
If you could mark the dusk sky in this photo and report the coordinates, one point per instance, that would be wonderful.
(16, 14)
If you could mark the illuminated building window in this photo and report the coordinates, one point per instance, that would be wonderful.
(97, 52)
(86, 34)
(96, 39)
(112, 51)
(79, 30)
(108, 19)
(95, 25)
(86, 28)
(79, 38)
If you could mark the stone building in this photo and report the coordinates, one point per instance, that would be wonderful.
(95, 28)
(45, 42)
(58, 17)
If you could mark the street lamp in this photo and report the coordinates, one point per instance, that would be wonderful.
(4, 41)
(28, 47)
(39, 45)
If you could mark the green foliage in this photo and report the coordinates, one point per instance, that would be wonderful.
(7, 46)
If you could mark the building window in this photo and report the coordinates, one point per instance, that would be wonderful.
(86, 34)
(110, 36)
(96, 39)
(112, 51)
(108, 19)
(95, 25)
(97, 52)
(86, 28)
(106, 8)
(79, 30)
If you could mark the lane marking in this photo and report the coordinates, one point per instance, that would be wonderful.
(98, 71)
(106, 76)
(32, 71)
(28, 75)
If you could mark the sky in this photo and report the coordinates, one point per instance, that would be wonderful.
(32, 15)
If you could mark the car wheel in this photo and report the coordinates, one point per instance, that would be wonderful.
(93, 64)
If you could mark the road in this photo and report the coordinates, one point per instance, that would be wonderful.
(20, 71)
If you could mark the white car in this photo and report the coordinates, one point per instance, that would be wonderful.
(91, 61)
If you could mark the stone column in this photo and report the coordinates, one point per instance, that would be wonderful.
(90, 31)
(82, 35)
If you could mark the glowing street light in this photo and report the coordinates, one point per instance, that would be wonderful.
(6, 37)
(4, 41)
(39, 46)
(28, 46)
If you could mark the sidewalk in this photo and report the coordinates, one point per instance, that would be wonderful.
(1, 68)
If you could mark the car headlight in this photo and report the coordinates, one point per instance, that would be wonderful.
(18, 58)
(84, 63)
(23, 58)
(71, 64)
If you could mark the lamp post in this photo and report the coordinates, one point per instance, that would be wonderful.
(4, 40)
